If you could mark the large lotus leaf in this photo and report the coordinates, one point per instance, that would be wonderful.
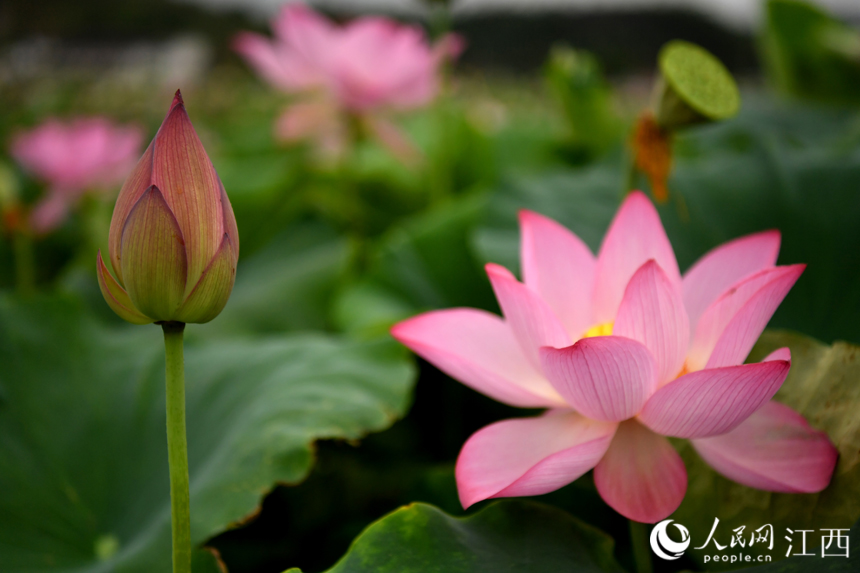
(780, 171)
(824, 386)
(83, 461)
(506, 536)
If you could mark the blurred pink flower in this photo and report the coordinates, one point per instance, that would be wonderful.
(368, 66)
(623, 351)
(83, 155)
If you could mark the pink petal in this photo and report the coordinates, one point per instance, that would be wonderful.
(604, 377)
(560, 268)
(478, 349)
(189, 185)
(532, 320)
(305, 31)
(720, 268)
(50, 212)
(641, 476)
(652, 312)
(635, 235)
(730, 326)
(260, 53)
(529, 456)
(779, 354)
(448, 47)
(81, 155)
(714, 401)
(306, 120)
(382, 63)
(775, 449)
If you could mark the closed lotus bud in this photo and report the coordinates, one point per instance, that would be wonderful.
(173, 237)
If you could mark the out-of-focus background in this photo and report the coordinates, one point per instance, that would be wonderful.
(536, 112)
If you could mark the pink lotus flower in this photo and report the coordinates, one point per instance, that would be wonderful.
(623, 350)
(87, 154)
(368, 66)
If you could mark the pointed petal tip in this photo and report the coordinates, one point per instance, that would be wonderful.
(478, 349)
(498, 271)
(467, 500)
(177, 100)
(774, 233)
(528, 218)
(526, 214)
(404, 331)
(780, 354)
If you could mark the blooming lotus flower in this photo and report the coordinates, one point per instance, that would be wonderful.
(82, 155)
(173, 237)
(624, 350)
(363, 69)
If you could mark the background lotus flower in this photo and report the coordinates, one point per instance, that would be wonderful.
(366, 67)
(623, 350)
(173, 237)
(75, 157)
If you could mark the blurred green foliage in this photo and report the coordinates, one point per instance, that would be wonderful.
(810, 54)
(576, 80)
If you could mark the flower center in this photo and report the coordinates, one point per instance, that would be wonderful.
(604, 329)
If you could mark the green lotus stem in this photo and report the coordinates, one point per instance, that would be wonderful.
(439, 177)
(25, 268)
(177, 446)
(641, 551)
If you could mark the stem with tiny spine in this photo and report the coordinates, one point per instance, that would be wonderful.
(177, 446)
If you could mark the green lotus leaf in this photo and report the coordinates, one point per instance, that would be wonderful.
(83, 458)
(506, 536)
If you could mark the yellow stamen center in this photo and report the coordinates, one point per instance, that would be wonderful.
(604, 329)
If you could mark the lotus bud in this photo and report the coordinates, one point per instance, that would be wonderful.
(173, 239)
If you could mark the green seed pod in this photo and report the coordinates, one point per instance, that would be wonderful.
(694, 87)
